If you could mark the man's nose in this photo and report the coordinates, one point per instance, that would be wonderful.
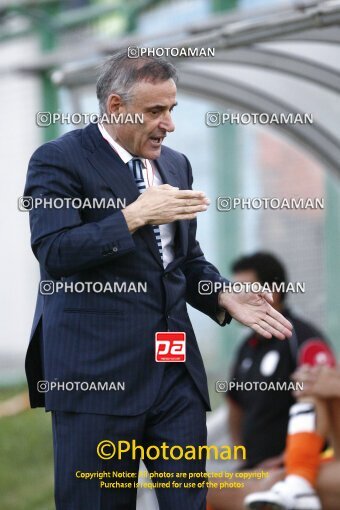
(167, 123)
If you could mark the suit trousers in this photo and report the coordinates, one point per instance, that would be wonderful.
(177, 417)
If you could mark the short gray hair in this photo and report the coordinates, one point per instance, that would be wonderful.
(120, 73)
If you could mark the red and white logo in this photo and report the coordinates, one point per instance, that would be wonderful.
(170, 346)
(316, 352)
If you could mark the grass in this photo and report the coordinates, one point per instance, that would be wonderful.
(26, 458)
(26, 467)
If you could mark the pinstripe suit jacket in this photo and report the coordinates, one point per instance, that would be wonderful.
(107, 336)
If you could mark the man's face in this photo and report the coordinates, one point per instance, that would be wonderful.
(156, 102)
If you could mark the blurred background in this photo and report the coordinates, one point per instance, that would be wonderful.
(271, 56)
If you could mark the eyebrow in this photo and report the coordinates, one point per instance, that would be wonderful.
(160, 106)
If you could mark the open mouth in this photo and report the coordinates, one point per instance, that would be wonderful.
(156, 140)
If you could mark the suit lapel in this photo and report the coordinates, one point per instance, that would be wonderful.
(118, 177)
(112, 169)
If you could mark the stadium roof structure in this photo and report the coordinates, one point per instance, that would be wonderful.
(274, 61)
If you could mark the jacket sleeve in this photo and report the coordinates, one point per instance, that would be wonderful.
(61, 242)
(197, 269)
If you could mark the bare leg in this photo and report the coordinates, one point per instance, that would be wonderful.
(308, 427)
(328, 483)
(232, 499)
(334, 412)
(323, 418)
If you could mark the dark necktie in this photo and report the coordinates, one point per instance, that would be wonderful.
(136, 166)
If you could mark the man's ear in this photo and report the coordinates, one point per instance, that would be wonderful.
(114, 103)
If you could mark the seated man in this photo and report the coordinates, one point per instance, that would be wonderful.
(309, 483)
(259, 419)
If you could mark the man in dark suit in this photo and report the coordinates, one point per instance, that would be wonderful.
(95, 338)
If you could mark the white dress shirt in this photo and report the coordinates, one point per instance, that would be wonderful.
(151, 178)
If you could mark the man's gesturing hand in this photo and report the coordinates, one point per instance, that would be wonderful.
(254, 310)
(164, 204)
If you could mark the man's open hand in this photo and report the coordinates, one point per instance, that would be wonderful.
(158, 205)
(254, 310)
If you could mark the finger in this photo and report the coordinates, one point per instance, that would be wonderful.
(287, 326)
(189, 214)
(258, 329)
(302, 371)
(316, 370)
(189, 193)
(307, 388)
(192, 209)
(307, 379)
(297, 375)
(305, 367)
(275, 324)
(272, 329)
(331, 371)
(268, 296)
(188, 202)
(166, 186)
(299, 394)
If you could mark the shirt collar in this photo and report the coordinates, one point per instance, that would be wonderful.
(122, 153)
